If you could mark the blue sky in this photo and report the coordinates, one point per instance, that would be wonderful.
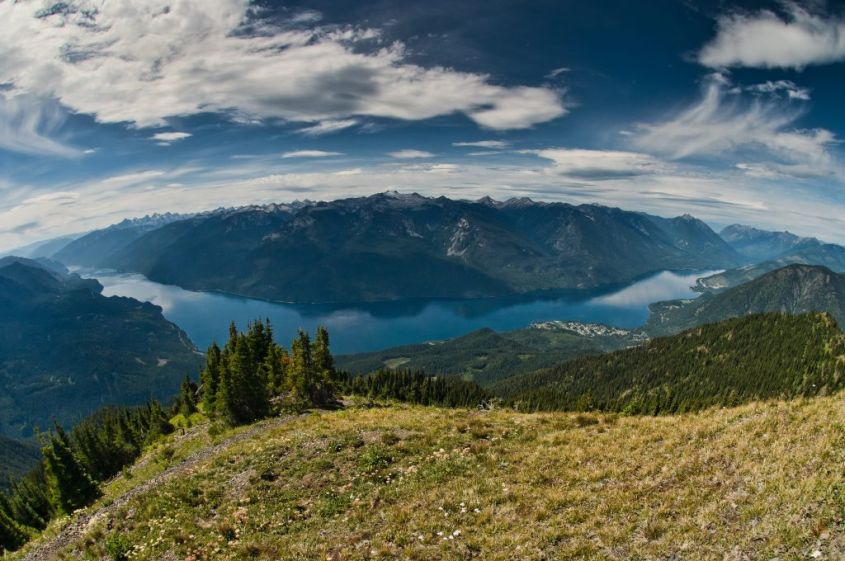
(114, 108)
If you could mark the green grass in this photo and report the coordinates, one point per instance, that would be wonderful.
(763, 480)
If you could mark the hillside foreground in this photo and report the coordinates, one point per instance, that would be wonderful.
(759, 481)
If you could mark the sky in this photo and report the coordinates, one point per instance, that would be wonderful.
(729, 111)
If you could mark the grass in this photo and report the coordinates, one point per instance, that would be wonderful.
(758, 482)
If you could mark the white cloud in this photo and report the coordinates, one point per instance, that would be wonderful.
(490, 144)
(310, 154)
(767, 40)
(557, 72)
(776, 87)
(328, 127)
(168, 137)
(141, 63)
(718, 123)
(26, 123)
(600, 164)
(410, 154)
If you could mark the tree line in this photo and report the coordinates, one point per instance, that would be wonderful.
(72, 465)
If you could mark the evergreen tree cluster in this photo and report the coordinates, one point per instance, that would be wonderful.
(73, 463)
(763, 356)
(251, 376)
(417, 387)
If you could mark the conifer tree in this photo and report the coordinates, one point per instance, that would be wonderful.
(186, 401)
(276, 370)
(301, 375)
(69, 485)
(12, 536)
(210, 379)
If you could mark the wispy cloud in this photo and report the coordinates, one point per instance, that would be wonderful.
(600, 164)
(166, 138)
(26, 124)
(722, 122)
(490, 144)
(765, 39)
(786, 87)
(328, 127)
(557, 72)
(225, 59)
(410, 154)
(310, 154)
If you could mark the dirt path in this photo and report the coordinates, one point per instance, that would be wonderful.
(76, 528)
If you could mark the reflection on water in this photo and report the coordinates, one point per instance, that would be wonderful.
(362, 327)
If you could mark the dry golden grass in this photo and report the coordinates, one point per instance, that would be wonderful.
(755, 482)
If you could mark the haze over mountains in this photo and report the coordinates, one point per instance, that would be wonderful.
(391, 246)
(766, 251)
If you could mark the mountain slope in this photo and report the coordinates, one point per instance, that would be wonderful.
(66, 350)
(738, 360)
(428, 483)
(761, 245)
(16, 458)
(810, 252)
(792, 289)
(95, 248)
(391, 246)
(485, 356)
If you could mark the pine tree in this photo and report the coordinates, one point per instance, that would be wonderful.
(69, 485)
(301, 374)
(12, 536)
(276, 370)
(187, 401)
(324, 372)
(210, 379)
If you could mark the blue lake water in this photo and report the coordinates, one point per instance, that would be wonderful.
(364, 327)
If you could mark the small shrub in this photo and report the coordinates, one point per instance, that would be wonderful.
(390, 438)
(374, 458)
(118, 547)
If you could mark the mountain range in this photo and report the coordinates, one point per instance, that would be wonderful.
(392, 246)
(65, 349)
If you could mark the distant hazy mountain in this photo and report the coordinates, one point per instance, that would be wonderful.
(762, 356)
(808, 252)
(65, 349)
(761, 245)
(95, 248)
(792, 289)
(485, 356)
(44, 248)
(391, 246)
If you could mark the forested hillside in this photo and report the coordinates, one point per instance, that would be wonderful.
(485, 356)
(66, 350)
(761, 356)
(793, 289)
(16, 458)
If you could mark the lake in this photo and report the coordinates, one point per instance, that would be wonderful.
(364, 327)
